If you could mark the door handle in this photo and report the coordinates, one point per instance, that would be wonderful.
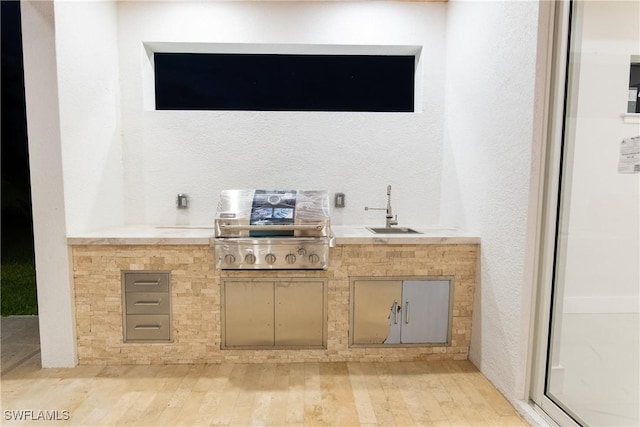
(395, 309)
(406, 312)
(146, 303)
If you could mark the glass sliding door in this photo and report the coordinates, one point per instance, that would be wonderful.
(591, 364)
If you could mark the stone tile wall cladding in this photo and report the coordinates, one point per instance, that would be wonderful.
(195, 289)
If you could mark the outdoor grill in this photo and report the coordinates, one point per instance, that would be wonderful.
(272, 229)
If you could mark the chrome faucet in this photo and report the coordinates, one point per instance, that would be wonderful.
(390, 219)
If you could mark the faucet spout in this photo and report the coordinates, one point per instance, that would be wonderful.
(390, 219)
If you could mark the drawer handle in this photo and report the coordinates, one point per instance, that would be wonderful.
(147, 283)
(146, 327)
(146, 303)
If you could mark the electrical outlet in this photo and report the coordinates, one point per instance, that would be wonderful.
(182, 201)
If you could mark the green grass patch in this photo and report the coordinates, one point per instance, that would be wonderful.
(18, 294)
(18, 288)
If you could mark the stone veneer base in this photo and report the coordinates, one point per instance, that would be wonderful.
(195, 293)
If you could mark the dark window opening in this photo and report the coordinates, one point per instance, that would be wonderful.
(633, 104)
(377, 83)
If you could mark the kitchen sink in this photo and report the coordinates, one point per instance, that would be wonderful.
(393, 230)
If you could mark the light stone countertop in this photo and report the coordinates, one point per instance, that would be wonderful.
(359, 235)
(200, 235)
(145, 235)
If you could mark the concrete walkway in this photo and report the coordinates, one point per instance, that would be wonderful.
(20, 341)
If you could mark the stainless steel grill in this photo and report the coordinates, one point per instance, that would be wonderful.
(272, 229)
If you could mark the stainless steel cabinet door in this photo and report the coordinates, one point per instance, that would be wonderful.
(374, 311)
(425, 311)
(299, 312)
(248, 313)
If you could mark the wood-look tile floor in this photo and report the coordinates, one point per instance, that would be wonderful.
(296, 394)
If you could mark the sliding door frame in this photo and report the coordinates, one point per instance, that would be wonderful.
(553, 156)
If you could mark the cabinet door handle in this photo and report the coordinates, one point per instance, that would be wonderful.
(147, 283)
(147, 327)
(406, 313)
(395, 309)
(146, 303)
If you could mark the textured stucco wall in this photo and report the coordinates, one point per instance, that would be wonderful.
(203, 152)
(491, 64)
(89, 95)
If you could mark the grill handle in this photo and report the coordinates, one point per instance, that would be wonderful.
(273, 227)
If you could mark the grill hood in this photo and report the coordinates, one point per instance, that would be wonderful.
(273, 213)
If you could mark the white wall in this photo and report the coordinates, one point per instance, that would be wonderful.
(488, 140)
(203, 152)
(89, 93)
(52, 255)
(602, 233)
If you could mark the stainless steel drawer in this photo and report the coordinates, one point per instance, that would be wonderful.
(148, 303)
(146, 282)
(148, 327)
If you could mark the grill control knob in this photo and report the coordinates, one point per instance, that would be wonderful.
(270, 258)
(290, 258)
(302, 251)
(314, 259)
(229, 259)
(250, 258)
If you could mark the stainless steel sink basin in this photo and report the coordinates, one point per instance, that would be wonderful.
(393, 230)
